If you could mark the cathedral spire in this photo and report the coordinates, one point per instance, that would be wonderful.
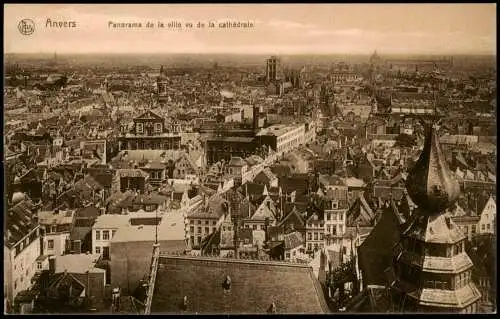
(430, 183)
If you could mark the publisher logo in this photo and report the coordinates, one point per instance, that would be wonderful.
(26, 26)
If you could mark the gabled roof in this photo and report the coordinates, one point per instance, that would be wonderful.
(263, 211)
(149, 115)
(376, 251)
(293, 215)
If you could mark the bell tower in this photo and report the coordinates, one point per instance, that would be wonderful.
(433, 271)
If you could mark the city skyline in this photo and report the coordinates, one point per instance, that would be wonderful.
(278, 29)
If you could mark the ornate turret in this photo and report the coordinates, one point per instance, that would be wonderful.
(433, 270)
(430, 183)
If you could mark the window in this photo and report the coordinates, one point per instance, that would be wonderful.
(288, 255)
(53, 229)
(488, 226)
(50, 244)
(214, 229)
(157, 127)
(199, 230)
(309, 236)
(207, 230)
(327, 216)
(341, 216)
(483, 227)
(207, 222)
(97, 235)
(334, 216)
(191, 229)
(214, 223)
(15, 284)
(473, 229)
(113, 233)
(98, 250)
(140, 128)
(105, 235)
(315, 236)
(321, 236)
(254, 227)
(39, 265)
(199, 222)
(191, 222)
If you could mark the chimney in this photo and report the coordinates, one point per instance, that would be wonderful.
(52, 264)
(255, 123)
(448, 221)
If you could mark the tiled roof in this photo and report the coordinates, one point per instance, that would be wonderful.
(19, 222)
(434, 229)
(215, 208)
(255, 285)
(53, 217)
(293, 240)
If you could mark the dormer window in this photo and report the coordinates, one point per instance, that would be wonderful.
(140, 128)
(158, 128)
(335, 204)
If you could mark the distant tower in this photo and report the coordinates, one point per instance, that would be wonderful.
(271, 68)
(433, 271)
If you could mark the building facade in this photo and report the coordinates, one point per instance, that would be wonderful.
(150, 132)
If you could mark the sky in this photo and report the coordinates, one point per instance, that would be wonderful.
(278, 28)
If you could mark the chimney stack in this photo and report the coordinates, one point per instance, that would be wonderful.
(255, 123)
(52, 264)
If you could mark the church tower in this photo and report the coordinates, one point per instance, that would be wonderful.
(432, 269)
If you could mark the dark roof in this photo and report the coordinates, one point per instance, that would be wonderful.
(376, 251)
(87, 212)
(20, 222)
(80, 232)
(255, 285)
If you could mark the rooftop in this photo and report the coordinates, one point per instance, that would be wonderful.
(77, 263)
(56, 217)
(171, 227)
(291, 287)
(277, 130)
(111, 221)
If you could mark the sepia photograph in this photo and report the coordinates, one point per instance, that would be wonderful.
(250, 158)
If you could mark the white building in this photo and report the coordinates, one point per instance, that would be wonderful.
(21, 250)
(55, 228)
(103, 231)
(487, 220)
(283, 138)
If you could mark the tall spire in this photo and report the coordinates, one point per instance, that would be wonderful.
(430, 183)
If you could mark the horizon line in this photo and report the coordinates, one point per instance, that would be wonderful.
(262, 53)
